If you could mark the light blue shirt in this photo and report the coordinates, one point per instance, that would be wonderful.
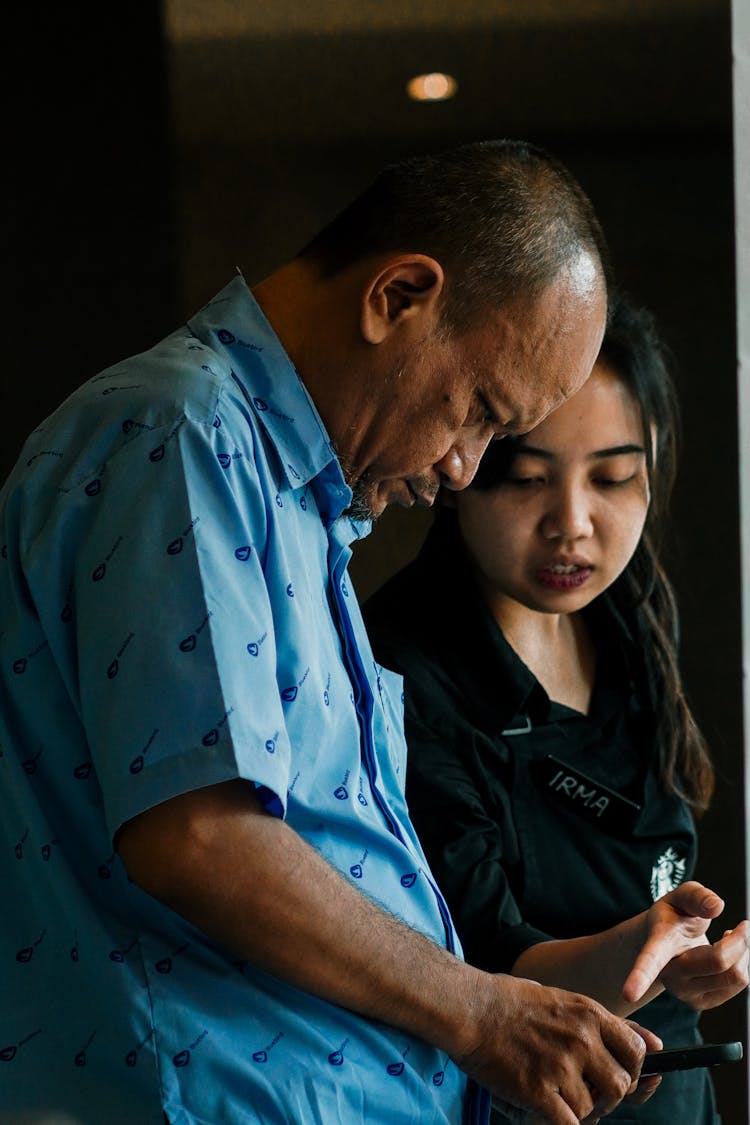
(175, 612)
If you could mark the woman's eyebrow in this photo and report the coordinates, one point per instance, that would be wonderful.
(616, 451)
(613, 451)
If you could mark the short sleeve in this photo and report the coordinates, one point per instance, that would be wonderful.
(159, 565)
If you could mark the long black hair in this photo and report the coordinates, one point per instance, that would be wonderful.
(643, 595)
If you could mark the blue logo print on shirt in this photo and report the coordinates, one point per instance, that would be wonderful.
(104, 871)
(336, 1058)
(93, 488)
(138, 762)
(29, 765)
(182, 1058)
(242, 554)
(261, 1056)
(165, 965)
(397, 1068)
(259, 404)
(132, 1056)
(409, 880)
(119, 955)
(18, 849)
(357, 868)
(225, 336)
(224, 459)
(7, 1054)
(156, 454)
(289, 694)
(24, 955)
(80, 1059)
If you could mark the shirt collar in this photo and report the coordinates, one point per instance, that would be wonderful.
(234, 326)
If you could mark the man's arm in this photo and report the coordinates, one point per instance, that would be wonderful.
(250, 882)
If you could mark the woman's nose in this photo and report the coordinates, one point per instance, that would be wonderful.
(569, 516)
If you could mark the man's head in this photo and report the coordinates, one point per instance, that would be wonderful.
(502, 218)
(461, 297)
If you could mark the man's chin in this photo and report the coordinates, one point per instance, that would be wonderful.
(366, 504)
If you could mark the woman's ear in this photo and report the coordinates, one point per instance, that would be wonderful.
(407, 288)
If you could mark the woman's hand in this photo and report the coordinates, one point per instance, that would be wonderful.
(677, 952)
(708, 975)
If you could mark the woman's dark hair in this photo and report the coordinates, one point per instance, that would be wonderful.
(503, 217)
(643, 595)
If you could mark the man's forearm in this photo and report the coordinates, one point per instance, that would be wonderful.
(253, 884)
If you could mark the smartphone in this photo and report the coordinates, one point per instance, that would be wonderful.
(683, 1058)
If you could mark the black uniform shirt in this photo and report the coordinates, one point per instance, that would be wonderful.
(538, 822)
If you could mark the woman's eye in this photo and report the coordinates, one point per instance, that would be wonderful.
(612, 482)
(524, 482)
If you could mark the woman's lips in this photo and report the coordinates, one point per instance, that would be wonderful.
(564, 576)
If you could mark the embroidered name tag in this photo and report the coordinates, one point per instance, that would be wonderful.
(585, 797)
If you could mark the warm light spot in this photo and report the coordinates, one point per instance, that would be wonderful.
(431, 87)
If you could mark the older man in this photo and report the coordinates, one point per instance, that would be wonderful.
(216, 907)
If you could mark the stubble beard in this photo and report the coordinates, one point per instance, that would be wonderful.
(360, 507)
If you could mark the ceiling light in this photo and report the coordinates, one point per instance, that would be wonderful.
(431, 87)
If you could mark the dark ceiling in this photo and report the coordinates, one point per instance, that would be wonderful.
(323, 70)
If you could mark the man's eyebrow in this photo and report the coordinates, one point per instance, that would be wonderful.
(613, 451)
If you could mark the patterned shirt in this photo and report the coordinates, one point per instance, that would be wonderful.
(175, 612)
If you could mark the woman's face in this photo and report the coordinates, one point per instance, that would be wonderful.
(567, 520)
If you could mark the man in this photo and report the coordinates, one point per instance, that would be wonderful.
(217, 909)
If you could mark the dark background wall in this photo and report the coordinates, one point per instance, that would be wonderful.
(142, 172)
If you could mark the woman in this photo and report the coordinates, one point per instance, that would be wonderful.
(554, 765)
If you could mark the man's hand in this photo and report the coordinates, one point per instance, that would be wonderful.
(554, 1055)
(677, 952)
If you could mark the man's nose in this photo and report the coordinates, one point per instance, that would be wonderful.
(569, 515)
(458, 466)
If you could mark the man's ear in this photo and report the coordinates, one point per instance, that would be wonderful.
(403, 288)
